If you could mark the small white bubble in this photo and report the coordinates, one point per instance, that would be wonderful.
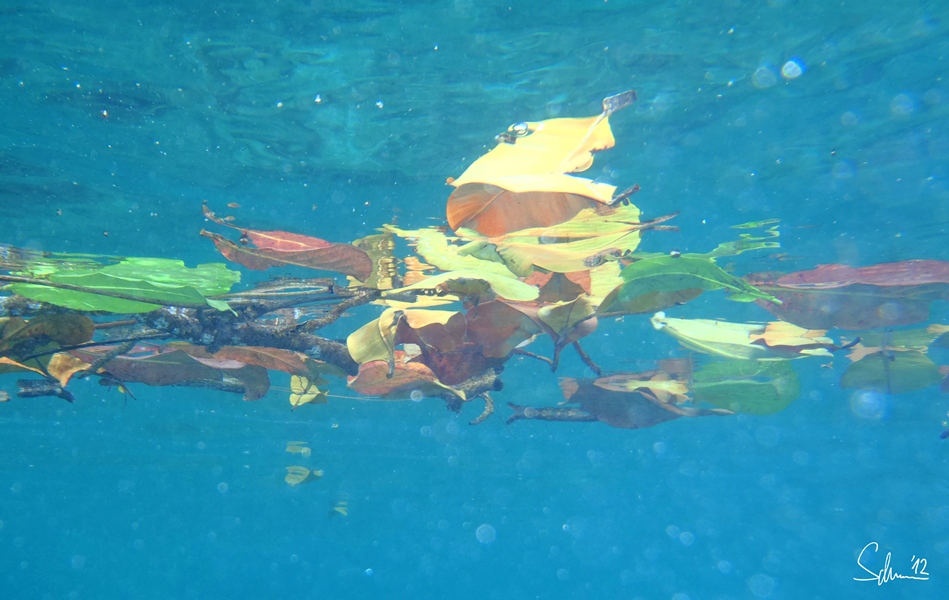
(792, 70)
(868, 404)
(843, 169)
(768, 436)
(849, 119)
(763, 77)
(800, 458)
(486, 534)
(222, 487)
(902, 105)
(761, 585)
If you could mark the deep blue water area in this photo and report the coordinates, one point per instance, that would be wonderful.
(330, 118)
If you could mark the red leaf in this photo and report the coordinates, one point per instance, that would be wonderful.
(342, 258)
(883, 295)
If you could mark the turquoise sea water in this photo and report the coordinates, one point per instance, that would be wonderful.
(330, 118)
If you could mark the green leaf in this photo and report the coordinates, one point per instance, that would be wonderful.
(85, 301)
(163, 281)
(671, 274)
(747, 386)
(892, 372)
(209, 279)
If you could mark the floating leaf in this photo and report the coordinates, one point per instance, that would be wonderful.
(747, 386)
(303, 391)
(476, 284)
(883, 295)
(745, 341)
(65, 330)
(677, 278)
(407, 377)
(435, 247)
(499, 328)
(272, 359)
(524, 181)
(162, 366)
(892, 372)
(385, 271)
(63, 366)
(8, 365)
(342, 258)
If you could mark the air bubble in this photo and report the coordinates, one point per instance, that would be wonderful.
(486, 534)
(792, 70)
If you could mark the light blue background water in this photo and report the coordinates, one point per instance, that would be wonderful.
(207, 101)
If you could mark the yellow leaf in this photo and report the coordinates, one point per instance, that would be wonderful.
(297, 475)
(303, 391)
(505, 287)
(63, 366)
(539, 160)
(300, 448)
(744, 341)
(375, 340)
(8, 365)
(435, 247)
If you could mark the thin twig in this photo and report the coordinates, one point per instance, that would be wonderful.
(587, 360)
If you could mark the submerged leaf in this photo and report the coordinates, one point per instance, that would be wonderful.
(892, 372)
(747, 386)
(297, 475)
(883, 295)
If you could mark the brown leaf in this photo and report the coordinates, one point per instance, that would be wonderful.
(494, 211)
(273, 359)
(342, 258)
(626, 410)
(883, 295)
(158, 366)
(499, 328)
(373, 380)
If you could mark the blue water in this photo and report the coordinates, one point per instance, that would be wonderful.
(117, 119)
